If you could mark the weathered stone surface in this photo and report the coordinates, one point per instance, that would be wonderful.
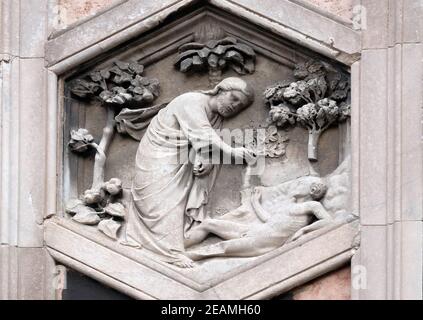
(341, 8)
(328, 32)
(102, 26)
(26, 274)
(376, 34)
(410, 232)
(372, 259)
(33, 28)
(9, 28)
(413, 28)
(32, 167)
(72, 11)
(411, 147)
(333, 286)
(391, 226)
(373, 144)
(9, 101)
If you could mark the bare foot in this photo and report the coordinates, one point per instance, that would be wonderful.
(184, 262)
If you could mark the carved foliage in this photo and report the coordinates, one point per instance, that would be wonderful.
(100, 207)
(275, 143)
(216, 56)
(271, 144)
(81, 140)
(122, 83)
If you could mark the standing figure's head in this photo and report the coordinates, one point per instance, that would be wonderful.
(231, 96)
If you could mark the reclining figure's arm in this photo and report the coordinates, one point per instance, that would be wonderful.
(262, 214)
(317, 209)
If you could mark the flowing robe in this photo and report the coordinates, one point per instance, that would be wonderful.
(167, 199)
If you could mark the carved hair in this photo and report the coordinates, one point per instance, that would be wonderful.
(232, 84)
(318, 190)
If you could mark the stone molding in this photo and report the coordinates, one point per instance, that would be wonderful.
(387, 145)
(126, 20)
(64, 239)
(26, 270)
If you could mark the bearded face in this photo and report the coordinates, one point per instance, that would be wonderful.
(230, 103)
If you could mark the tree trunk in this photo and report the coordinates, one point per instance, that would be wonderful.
(215, 76)
(100, 157)
(313, 141)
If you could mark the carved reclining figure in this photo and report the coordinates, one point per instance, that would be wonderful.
(257, 228)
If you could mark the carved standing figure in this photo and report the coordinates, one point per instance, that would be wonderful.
(169, 192)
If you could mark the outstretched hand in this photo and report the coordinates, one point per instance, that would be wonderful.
(245, 154)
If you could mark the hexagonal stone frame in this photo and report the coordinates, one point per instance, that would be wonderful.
(102, 259)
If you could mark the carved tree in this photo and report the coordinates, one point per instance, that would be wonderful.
(315, 102)
(121, 85)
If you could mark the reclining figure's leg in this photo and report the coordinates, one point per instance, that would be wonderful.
(224, 229)
(243, 247)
